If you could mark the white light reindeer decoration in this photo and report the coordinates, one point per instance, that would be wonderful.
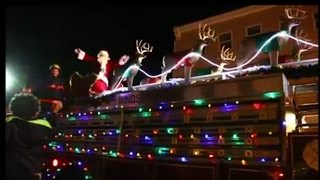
(205, 34)
(129, 74)
(226, 57)
(250, 45)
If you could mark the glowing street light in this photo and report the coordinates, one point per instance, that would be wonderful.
(9, 80)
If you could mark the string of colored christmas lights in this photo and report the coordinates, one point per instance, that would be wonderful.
(173, 152)
(56, 166)
(167, 105)
(200, 136)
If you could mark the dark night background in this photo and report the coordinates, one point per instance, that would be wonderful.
(38, 36)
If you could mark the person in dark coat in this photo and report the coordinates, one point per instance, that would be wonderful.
(25, 137)
(53, 89)
(54, 84)
(50, 90)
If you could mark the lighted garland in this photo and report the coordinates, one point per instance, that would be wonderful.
(291, 72)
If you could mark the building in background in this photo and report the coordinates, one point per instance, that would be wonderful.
(232, 28)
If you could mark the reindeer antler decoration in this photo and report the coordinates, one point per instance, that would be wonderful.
(226, 55)
(302, 47)
(145, 47)
(295, 13)
(206, 33)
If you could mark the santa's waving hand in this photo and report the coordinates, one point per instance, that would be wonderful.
(80, 53)
(123, 60)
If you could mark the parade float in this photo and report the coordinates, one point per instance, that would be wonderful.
(245, 121)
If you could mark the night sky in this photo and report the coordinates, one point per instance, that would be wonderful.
(38, 36)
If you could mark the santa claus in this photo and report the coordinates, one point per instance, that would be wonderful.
(106, 68)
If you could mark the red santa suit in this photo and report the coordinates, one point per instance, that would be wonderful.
(102, 84)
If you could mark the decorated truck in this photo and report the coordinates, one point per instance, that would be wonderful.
(253, 122)
(209, 130)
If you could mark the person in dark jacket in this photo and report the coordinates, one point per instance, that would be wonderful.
(53, 88)
(50, 90)
(25, 137)
(55, 84)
